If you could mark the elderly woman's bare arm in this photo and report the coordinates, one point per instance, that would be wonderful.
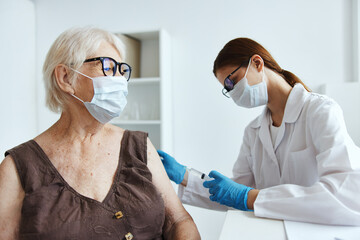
(178, 222)
(11, 198)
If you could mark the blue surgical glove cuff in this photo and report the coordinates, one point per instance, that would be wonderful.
(245, 199)
(180, 174)
(227, 192)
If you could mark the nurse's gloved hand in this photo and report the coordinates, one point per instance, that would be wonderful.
(174, 170)
(227, 192)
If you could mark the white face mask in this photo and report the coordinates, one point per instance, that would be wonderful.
(248, 96)
(109, 97)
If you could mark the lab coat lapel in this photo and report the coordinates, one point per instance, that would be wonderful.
(293, 107)
(271, 165)
(279, 136)
(265, 138)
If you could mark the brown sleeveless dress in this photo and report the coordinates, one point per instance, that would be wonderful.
(132, 209)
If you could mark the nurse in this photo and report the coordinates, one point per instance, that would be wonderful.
(297, 161)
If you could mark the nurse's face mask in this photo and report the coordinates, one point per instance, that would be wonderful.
(243, 94)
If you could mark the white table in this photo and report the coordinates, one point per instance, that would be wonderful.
(244, 225)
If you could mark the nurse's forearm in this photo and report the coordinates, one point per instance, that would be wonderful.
(252, 195)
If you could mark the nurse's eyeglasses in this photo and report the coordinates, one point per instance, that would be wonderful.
(110, 66)
(228, 83)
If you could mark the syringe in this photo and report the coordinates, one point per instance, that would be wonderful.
(195, 172)
(199, 174)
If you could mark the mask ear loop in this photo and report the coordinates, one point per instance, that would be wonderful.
(80, 73)
(77, 98)
(84, 76)
(247, 69)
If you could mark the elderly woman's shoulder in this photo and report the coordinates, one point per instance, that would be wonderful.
(8, 172)
(112, 129)
(7, 164)
(117, 132)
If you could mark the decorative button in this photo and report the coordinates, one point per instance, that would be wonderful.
(119, 215)
(129, 236)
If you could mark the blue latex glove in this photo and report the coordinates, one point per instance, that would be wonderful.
(174, 170)
(227, 192)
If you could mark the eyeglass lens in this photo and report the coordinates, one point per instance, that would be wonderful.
(228, 84)
(109, 68)
(125, 70)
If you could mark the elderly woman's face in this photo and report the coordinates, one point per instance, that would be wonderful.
(84, 85)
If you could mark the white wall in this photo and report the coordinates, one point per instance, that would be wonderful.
(17, 68)
(305, 36)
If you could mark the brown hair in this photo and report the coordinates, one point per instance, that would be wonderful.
(239, 50)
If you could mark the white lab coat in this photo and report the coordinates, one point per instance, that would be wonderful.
(318, 179)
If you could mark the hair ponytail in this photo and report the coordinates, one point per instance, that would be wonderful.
(292, 79)
(238, 51)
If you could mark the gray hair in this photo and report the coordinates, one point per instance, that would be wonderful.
(71, 48)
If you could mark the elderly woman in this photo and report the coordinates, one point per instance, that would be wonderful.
(83, 178)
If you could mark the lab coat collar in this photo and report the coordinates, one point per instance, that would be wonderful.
(294, 104)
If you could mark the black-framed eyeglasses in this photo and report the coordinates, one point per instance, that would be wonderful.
(228, 83)
(109, 66)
